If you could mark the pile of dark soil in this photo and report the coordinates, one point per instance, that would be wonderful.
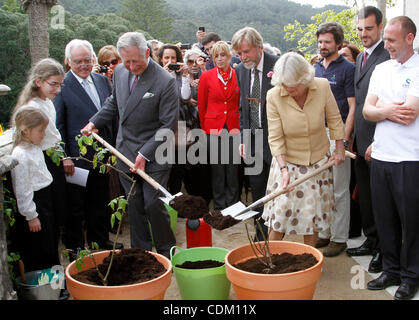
(202, 264)
(190, 207)
(219, 222)
(128, 267)
(284, 263)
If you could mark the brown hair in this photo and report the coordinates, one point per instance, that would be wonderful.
(179, 57)
(27, 118)
(408, 25)
(335, 29)
(42, 70)
(105, 52)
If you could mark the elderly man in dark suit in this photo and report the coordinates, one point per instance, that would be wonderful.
(81, 96)
(369, 25)
(146, 99)
(254, 80)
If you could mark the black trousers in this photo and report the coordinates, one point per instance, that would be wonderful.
(39, 250)
(362, 174)
(224, 176)
(90, 204)
(258, 185)
(59, 190)
(395, 199)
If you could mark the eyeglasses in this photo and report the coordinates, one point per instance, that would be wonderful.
(55, 85)
(191, 62)
(108, 63)
(82, 61)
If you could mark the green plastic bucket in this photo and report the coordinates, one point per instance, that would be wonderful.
(201, 284)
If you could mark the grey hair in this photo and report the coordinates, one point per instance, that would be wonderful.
(190, 52)
(292, 69)
(250, 35)
(132, 39)
(267, 47)
(76, 43)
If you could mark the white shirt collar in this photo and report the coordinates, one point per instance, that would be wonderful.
(89, 78)
(260, 65)
(370, 50)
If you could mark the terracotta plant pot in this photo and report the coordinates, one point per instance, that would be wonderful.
(149, 290)
(287, 286)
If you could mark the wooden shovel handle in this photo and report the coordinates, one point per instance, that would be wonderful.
(125, 160)
(327, 165)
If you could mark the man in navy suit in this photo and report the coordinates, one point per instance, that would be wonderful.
(81, 96)
(248, 44)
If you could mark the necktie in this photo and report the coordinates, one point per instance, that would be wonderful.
(89, 91)
(364, 60)
(254, 104)
(134, 83)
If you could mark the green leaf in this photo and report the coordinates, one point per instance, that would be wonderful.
(122, 203)
(102, 169)
(112, 220)
(95, 161)
(94, 246)
(113, 160)
(118, 215)
(113, 203)
(83, 150)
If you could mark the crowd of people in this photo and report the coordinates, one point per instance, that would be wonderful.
(289, 116)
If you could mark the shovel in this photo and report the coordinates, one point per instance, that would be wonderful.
(240, 212)
(167, 195)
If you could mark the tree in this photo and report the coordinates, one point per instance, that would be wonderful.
(306, 34)
(149, 15)
(12, 6)
(38, 27)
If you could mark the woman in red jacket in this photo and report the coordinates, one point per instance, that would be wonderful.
(218, 107)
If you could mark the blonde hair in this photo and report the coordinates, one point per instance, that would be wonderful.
(292, 69)
(220, 46)
(27, 118)
(42, 70)
(250, 35)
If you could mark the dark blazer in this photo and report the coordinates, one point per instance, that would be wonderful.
(74, 109)
(243, 81)
(364, 130)
(218, 104)
(153, 105)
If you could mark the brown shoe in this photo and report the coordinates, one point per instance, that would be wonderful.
(322, 242)
(334, 249)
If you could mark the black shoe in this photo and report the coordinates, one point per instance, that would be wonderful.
(406, 291)
(108, 245)
(382, 282)
(376, 263)
(363, 250)
(64, 295)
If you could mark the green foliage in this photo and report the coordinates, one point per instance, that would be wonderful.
(12, 6)
(56, 153)
(149, 15)
(12, 258)
(305, 34)
(118, 206)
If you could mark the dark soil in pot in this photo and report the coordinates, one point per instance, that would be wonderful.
(283, 263)
(190, 207)
(128, 267)
(219, 222)
(202, 264)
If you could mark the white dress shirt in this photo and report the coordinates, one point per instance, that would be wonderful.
(30, 175)
(52, 135)
(91, 86)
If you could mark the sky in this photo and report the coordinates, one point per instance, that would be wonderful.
(392, 12)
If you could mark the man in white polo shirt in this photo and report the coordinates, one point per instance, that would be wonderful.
(395, 159)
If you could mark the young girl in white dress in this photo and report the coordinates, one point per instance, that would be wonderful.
(36, 239)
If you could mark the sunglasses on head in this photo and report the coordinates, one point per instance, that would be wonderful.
(107, 63)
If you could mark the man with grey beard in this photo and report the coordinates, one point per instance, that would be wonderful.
(254, 80)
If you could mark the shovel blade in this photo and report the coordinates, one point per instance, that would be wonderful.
(236, 209)
(167, 200)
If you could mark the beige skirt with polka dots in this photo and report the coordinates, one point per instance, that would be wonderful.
(307, 208)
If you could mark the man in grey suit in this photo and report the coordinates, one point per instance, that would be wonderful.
(369, 25)
(255, 65)
(146, 99)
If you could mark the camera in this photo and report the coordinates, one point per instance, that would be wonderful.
(174, 66)
(186, 46)
(196, 75)
(103, 69)
(206, 57)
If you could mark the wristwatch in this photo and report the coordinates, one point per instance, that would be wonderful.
(346, 144)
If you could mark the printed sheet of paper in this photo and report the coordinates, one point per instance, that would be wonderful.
(79, 177)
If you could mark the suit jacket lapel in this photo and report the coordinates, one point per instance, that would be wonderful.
(102, 92)
(79, 91)
(370, 62)
(143, 85)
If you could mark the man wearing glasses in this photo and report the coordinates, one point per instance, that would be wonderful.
(82, 95)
